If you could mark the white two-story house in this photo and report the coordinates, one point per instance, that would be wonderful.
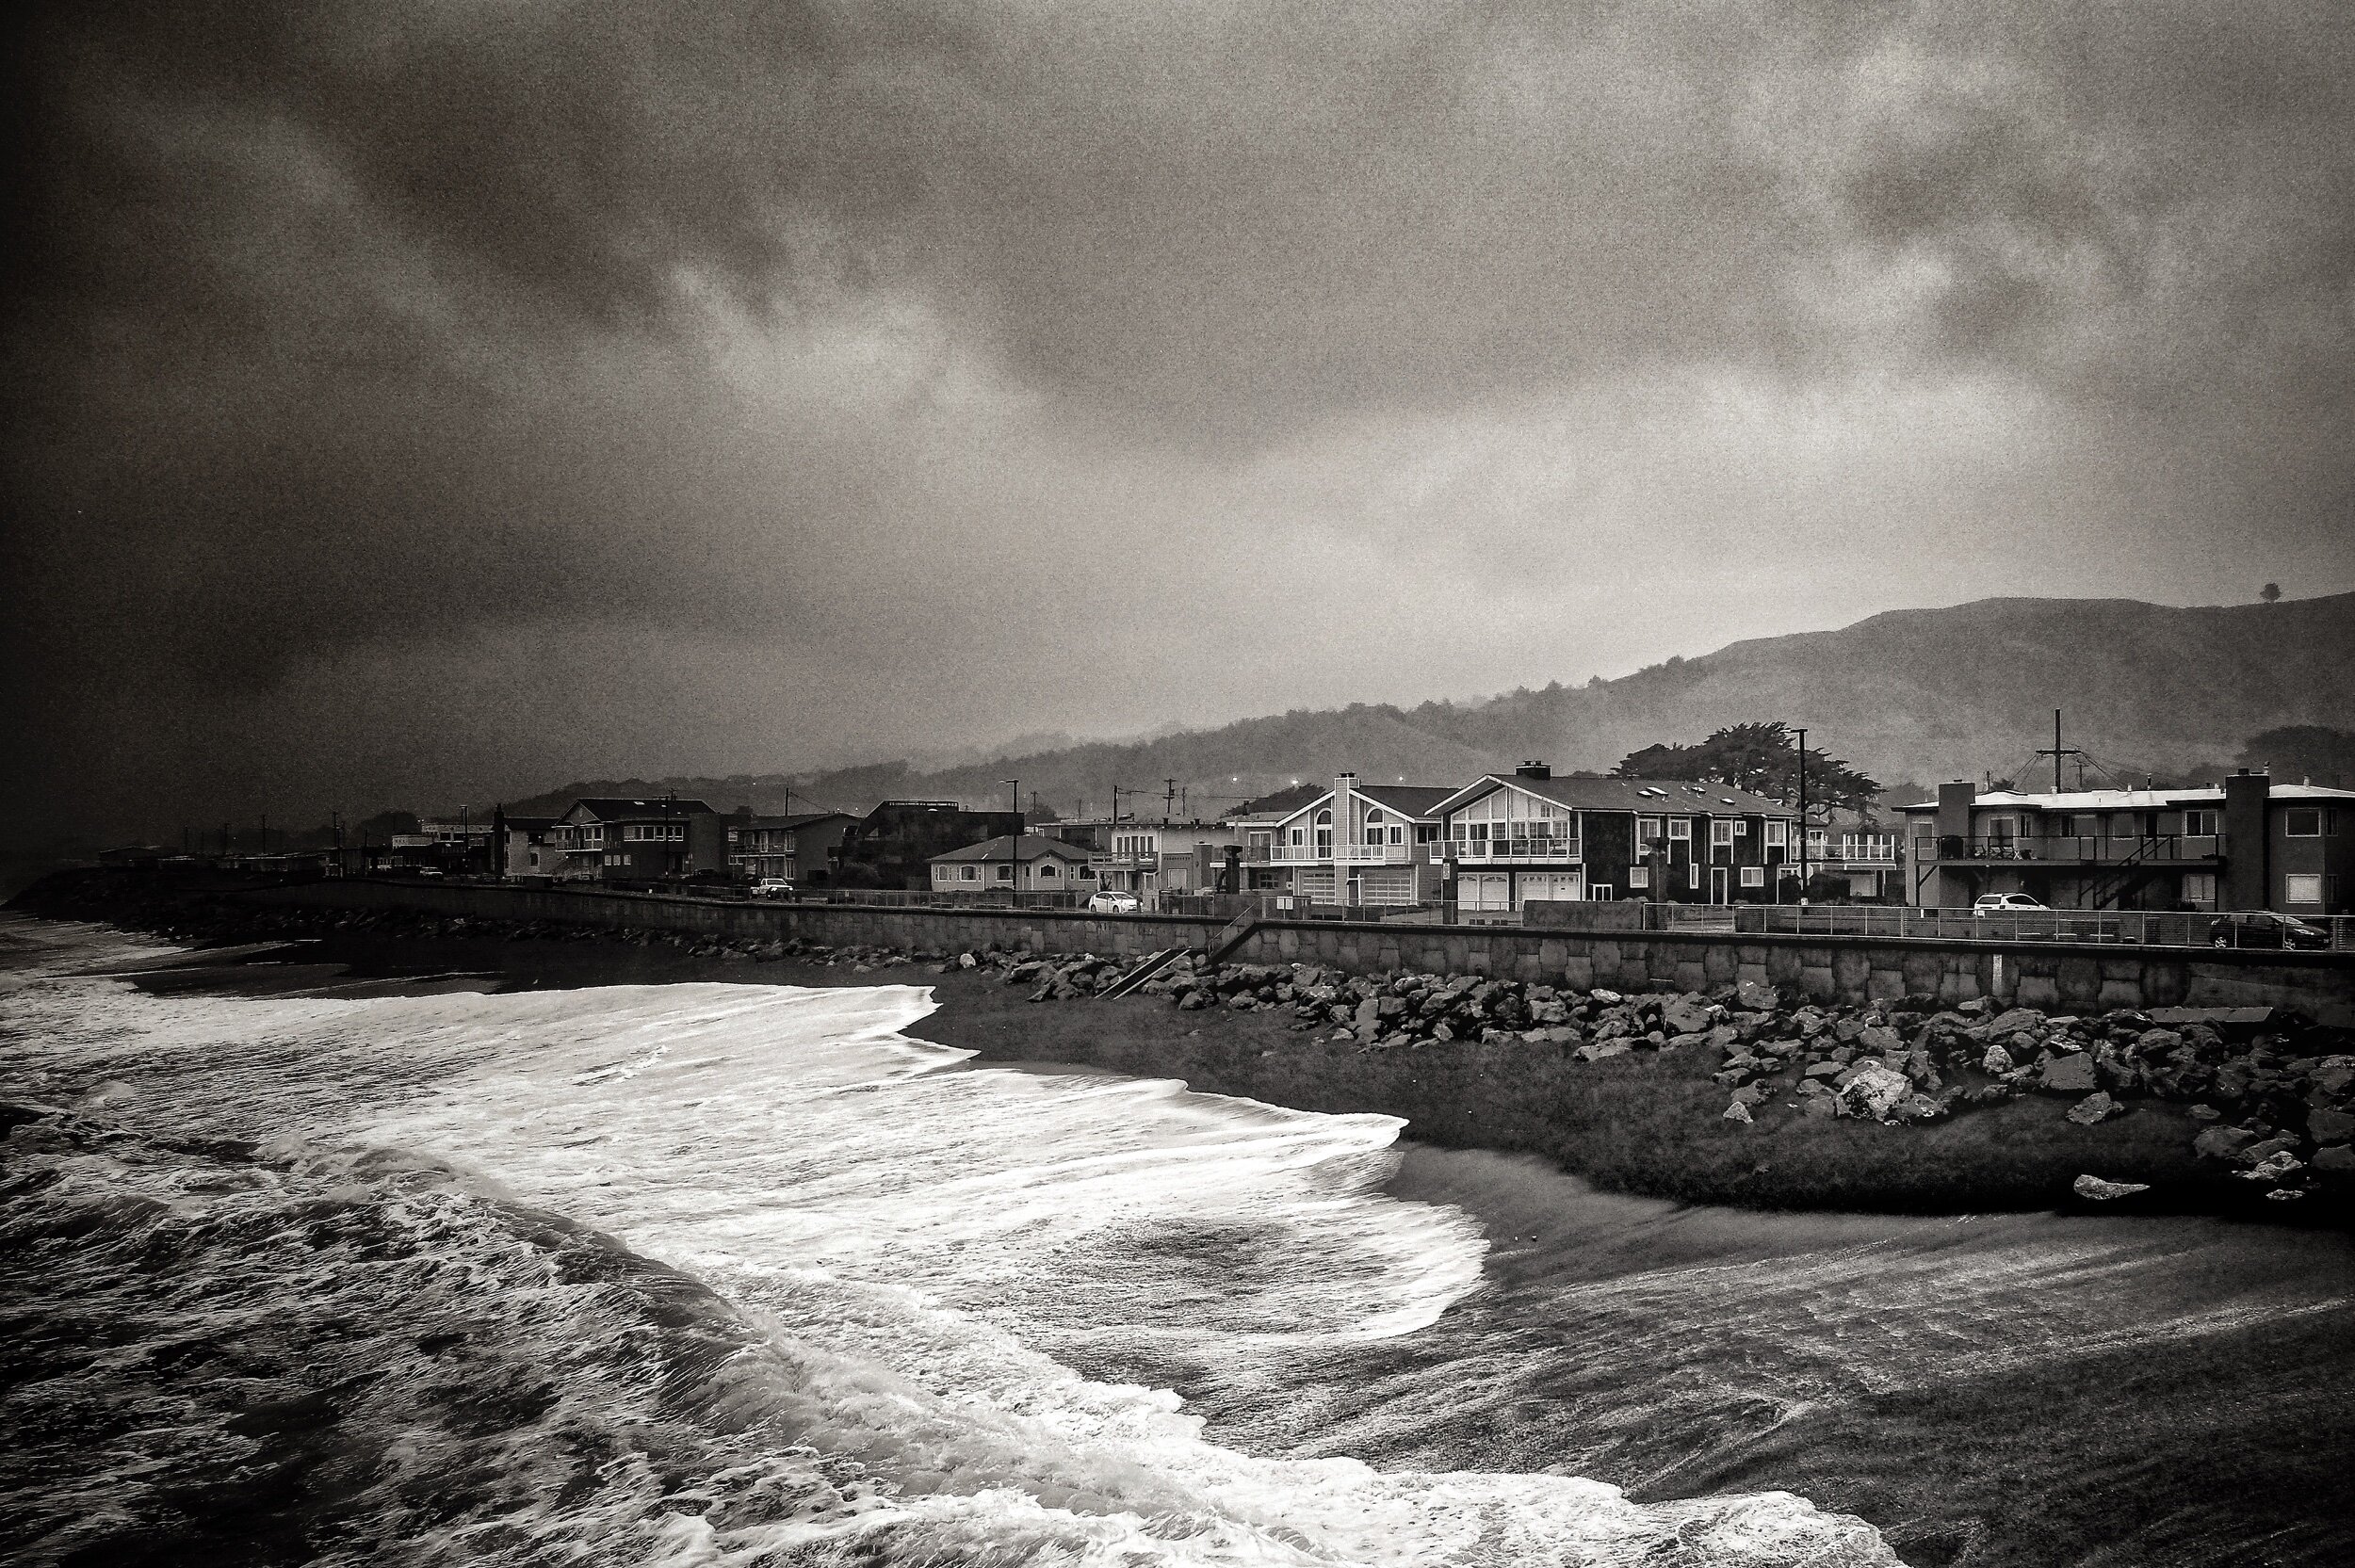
(1359, 844)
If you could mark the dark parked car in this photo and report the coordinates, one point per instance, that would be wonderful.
(2263, 927)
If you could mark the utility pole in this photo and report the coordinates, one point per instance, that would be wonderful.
(2056, 751)
(1014, 844)
(1802, 734)
(1169, 797)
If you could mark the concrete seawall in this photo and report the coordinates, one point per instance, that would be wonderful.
(2049, 974)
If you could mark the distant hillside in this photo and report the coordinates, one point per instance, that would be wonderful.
(1908, 696)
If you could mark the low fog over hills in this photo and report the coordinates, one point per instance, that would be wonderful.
(1909, 696)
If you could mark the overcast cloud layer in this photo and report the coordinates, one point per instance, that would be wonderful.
(416, 403)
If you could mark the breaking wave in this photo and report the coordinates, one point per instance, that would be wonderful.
(701, 1275)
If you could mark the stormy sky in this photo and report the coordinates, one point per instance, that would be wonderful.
(416, 403)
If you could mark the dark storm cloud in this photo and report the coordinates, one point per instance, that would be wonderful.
(362, 328)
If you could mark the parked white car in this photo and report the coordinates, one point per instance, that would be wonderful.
(772, 887)
(2008, 903)
(1109, 901)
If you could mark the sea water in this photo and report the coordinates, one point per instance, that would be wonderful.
(731, 1274)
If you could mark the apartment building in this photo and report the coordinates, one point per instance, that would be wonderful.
(2246, 844)
(791, 849)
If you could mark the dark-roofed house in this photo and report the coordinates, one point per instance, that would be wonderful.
(1362, 844)
(790, 849)
(650, 839)
(1510, 837)
(1031, 864)
(892, 845)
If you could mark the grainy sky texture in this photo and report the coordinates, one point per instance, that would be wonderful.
(415, 402)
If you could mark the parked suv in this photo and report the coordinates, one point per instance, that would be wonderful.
(772, 887)
(2008, 903)
(2263, 927)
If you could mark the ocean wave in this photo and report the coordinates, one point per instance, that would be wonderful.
(707, 1274)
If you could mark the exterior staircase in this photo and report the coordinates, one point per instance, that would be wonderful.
(1153, 964)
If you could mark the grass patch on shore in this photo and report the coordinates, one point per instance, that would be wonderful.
(1649, 1123)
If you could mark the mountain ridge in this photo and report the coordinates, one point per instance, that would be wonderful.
(1907, 695)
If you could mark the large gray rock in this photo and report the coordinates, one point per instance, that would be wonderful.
(2338, 1157)
(2094, 1109)
(1880, 1040)
(1875, 1091)
(1996, 1061)
(2101, 1191)
(2069, 1074)
(2222, 1142)
(1757, 997)
(1685, 1015)
(2274, 1169)
(1738, 1111)
(2329, 1126)
(2017, 1021)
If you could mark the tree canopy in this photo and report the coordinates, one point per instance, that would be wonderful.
(1762, 757)
(2296, 752)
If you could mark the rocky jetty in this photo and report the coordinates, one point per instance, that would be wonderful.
(2276, 1090)
(2271, 1094)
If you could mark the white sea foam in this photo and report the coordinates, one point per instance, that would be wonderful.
(907, 1259)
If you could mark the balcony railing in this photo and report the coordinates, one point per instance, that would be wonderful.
(1489, 850)
(1343, 854)
(2083, 850)
(1852, 854)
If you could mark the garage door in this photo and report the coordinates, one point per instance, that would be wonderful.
(1565, 886)
(1484, 890)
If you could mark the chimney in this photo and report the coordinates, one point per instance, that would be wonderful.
(2247, 877)
(1533, 770)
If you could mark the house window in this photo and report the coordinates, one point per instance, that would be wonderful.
(2305, 823)
(970, 873)
(2199, 888)
(1679, 827)
(2065, 826)
(1639, 876)
(1001, 873)
(2200, 824)
(1753, 876)
(1426, 833)
(1397, 833)
(1741, 828)
(2302, 888)
(1047, 871)
(1601, 892)
(1693, 873)
(1294, 837)
(1647, 830)
(1778, 835)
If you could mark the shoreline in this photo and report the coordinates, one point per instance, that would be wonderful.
(1938, 1464)
(1650, 1123)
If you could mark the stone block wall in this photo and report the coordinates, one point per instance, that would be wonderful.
(2063, 976)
